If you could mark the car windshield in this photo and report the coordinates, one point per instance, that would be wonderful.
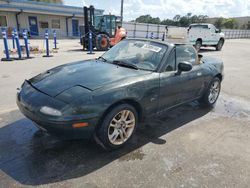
(145, 55)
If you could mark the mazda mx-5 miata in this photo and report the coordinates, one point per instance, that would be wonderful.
(107, 98)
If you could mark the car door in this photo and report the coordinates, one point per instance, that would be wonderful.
(213, 40)
(192, 82)
(170, 84)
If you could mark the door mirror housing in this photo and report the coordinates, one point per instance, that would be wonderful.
(184, 66)
(218, 31)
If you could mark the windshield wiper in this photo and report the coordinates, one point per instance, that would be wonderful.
(122, 63)
(102, 58)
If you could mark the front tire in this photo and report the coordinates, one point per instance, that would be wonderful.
(102, 42)
(211, 95)
(118, 126)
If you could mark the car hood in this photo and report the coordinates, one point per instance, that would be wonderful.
(90, 74)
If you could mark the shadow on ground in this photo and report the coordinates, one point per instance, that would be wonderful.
(32, 158)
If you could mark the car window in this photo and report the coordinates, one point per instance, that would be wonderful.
(186, 53)
(145, 55)
(199, 26)
(171, 61)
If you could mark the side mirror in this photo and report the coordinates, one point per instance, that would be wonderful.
(184, 66)
(218, 31)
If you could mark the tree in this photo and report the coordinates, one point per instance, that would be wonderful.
(177, 18)
(144, 19)
(168, 22)
(219, 22)
(189, 14)
(148, 19)
(155, 20)
(230, 23)
(248, 25)
(194, 19)
(202, 18)
(184, 21)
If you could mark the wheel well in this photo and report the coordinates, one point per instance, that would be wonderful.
(219, 76)
(131, 102)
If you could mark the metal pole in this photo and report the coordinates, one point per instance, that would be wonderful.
(13, 39)
(55, 42)
(121, 11)
(90, 43)
(46, 36)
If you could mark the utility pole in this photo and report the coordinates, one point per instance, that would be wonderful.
(121, 11)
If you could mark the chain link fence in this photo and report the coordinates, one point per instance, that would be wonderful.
(142, 30)
(236, 34)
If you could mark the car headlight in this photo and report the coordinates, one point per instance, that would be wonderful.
(50, 111)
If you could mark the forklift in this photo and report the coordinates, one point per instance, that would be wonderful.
(106, 30)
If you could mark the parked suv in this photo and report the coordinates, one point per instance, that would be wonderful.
(205, 35)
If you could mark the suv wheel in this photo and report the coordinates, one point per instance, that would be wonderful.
(220, 45)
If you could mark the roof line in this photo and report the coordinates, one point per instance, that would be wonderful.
(46, 4)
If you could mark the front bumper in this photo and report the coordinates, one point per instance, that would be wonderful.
(29, 101)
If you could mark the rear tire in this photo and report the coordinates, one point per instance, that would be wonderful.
(118, 126)
(212, 93)
(219, 45)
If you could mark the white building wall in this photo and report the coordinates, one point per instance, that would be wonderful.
(24, 22)
(10, 16)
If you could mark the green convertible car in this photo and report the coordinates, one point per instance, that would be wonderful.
(108, 97)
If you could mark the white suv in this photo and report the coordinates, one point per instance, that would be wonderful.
(205, 35)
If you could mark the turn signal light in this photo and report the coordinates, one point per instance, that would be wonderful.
(79, 125)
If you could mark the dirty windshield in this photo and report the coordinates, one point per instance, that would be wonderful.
(144, 55)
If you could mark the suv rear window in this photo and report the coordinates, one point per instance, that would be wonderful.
(199, 26)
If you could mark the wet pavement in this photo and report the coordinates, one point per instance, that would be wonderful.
(189, 146)
(184, 140)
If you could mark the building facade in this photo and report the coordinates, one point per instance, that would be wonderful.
(36, 17)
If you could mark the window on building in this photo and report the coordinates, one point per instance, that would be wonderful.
(56, 24)
(44, 25)
(3, 21)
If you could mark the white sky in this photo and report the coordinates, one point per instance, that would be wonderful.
(169, 8)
